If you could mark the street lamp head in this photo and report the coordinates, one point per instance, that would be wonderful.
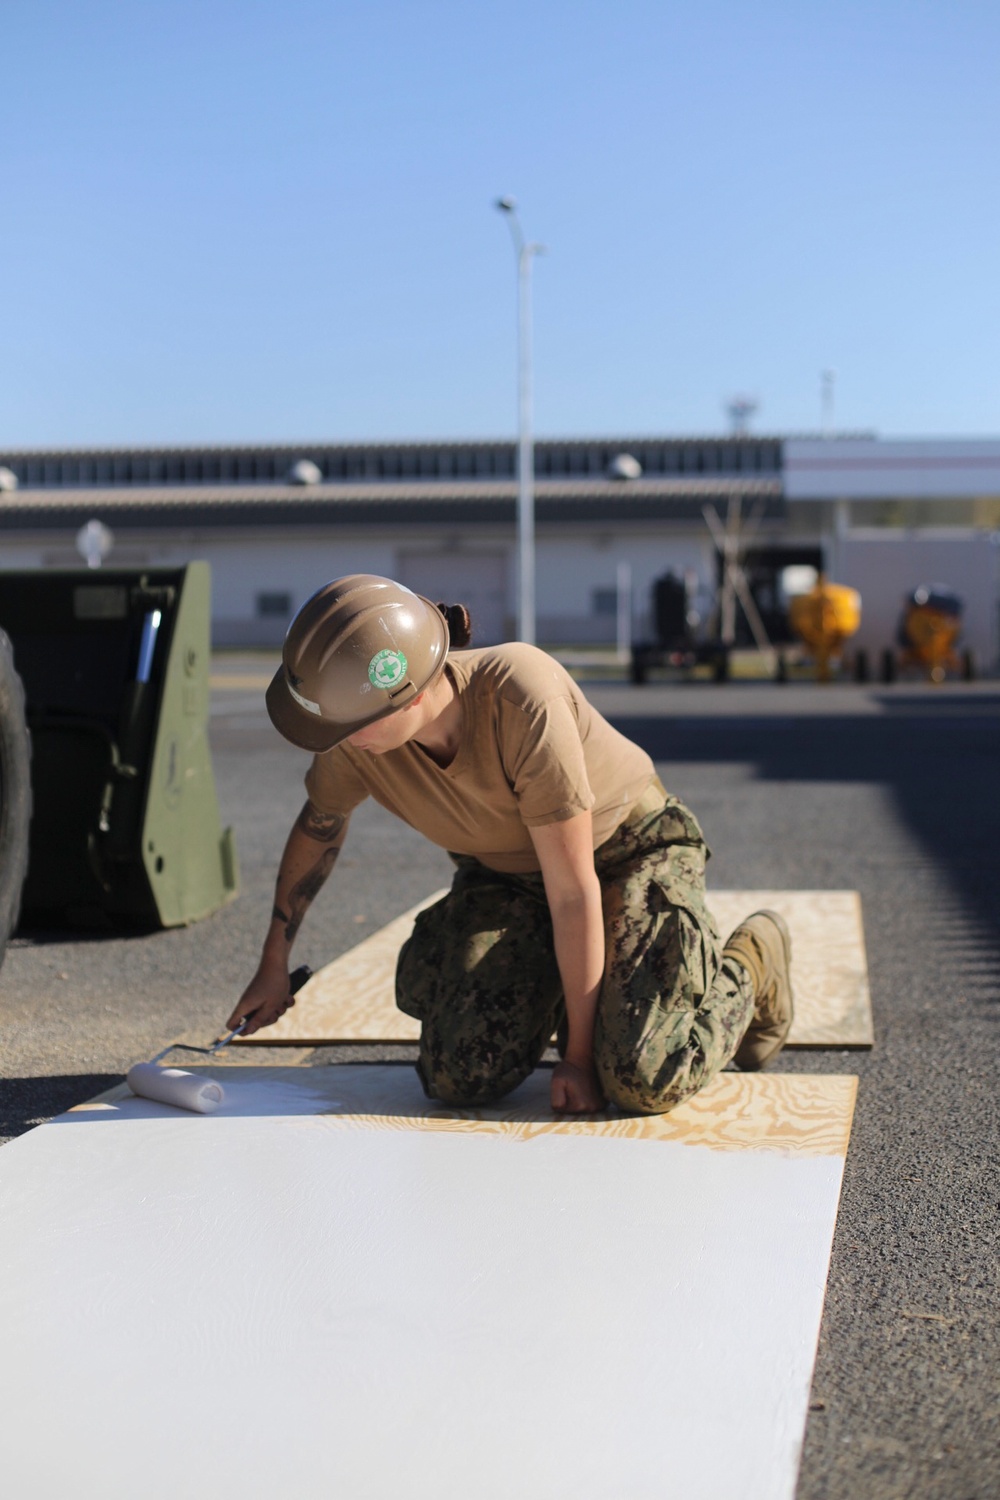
(507, 205)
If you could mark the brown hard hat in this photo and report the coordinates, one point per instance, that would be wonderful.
(360, 649)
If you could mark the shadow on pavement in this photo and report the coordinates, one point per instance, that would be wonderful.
(941, 765)
(30, 1101)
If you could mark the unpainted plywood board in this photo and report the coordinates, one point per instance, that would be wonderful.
(182, 1053)
(352, 999)
(829, 966)
(800, 1114)
(271, 1301)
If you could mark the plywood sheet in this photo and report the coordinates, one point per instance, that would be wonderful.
(829, 966)
(800, 1114)
(287, 1298)
(352, 998)
(181, 1053)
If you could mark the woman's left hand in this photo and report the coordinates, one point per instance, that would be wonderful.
(575, 1090)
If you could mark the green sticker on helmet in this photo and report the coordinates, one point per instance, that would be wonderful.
(387, 669)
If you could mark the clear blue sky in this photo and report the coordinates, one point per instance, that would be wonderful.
(271, 220)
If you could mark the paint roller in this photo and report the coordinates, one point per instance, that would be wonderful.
(148, 1080)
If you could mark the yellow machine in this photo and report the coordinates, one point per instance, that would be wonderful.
(824, 619)
(929, 630)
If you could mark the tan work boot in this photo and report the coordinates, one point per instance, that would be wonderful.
(763, 945)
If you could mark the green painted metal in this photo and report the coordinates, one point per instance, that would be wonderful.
(126, 827)
(190, 861)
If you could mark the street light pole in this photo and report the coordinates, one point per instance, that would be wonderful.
(525, 444)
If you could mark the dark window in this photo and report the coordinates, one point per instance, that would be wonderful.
(274, 604)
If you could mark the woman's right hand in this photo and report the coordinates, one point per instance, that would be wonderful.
(265, 999)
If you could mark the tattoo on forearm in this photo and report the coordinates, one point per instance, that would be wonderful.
(277, 915)
(305, 891)
(324, 827)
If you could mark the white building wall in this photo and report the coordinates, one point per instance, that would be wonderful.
(573, 563)
(243, 570)
(15, 553)
(572, 567)
(885, 566)
(870, 469)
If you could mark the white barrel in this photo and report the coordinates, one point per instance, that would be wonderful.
(174, 1086)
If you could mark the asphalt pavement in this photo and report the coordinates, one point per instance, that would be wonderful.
(892, 791)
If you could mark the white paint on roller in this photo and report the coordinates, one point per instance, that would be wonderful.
(175, 1086)
(263, 1304)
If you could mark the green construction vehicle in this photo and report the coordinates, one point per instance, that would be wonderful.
(15, 792)
(125, 827)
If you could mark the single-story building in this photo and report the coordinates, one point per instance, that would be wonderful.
(612, 515)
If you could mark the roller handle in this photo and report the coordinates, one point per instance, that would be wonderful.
(298, 977)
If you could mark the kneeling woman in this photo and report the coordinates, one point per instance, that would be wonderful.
(578, 903)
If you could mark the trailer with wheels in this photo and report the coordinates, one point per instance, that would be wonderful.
(675, 646)
(928, 636)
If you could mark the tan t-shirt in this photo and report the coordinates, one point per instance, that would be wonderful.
(532, 751)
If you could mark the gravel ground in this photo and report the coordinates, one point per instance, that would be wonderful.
(891, 791)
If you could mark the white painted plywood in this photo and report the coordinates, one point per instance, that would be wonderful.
(263, 1302)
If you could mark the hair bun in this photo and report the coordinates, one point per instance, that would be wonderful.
(459, 624)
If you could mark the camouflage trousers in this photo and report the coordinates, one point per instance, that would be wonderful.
(480, 973)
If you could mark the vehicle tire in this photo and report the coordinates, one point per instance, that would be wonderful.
(888, 666)
(15, 792)
(968, 666)
(861, 672)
